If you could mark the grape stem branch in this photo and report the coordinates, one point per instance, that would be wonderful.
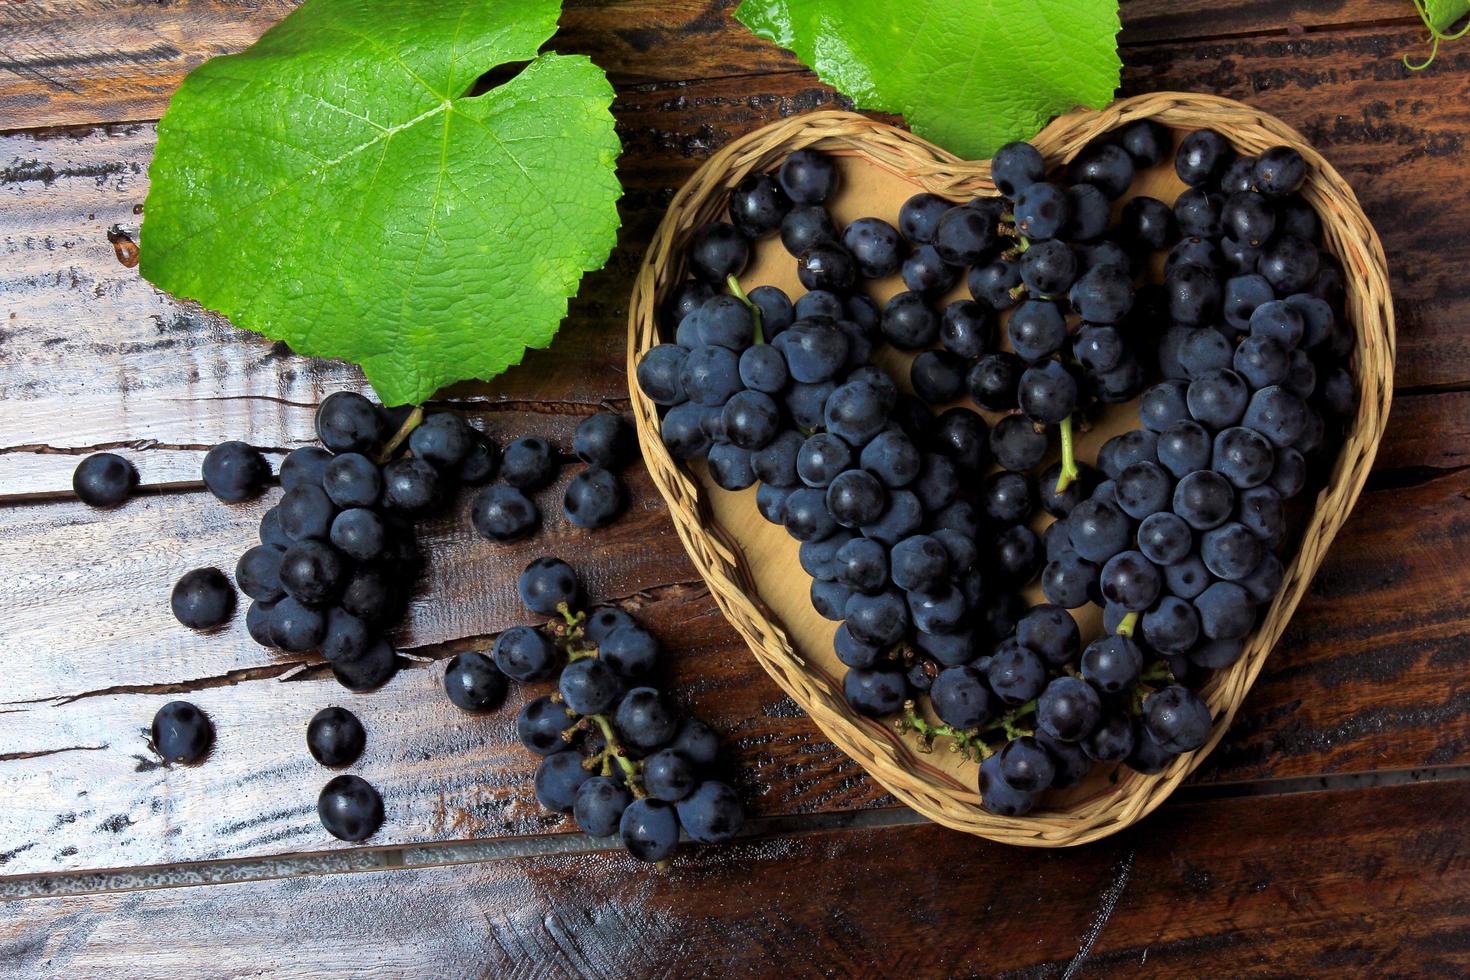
(401, 436)
(569, 633)
(1127, 624)
(755, 311)
(1069, 456)
(613, 754)
(969, 743)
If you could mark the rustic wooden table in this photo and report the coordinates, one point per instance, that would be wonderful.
(1327, 834)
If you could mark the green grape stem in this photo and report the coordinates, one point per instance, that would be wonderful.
(1147, 684)
(1127, 624)
(1007, 721)
(1017, 250)
(1157, 672)
(569, 632)
(1069, 456)
(969, 743)
(600, 761)
(401, 436)
(962, 742)
(755, 311)
(614, 752)
(572, 619)
(1436, 35)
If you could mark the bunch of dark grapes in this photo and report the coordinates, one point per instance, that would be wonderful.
(866, 478)
(338, 556)
(919, 530)
(1179, 543)
(615, 752)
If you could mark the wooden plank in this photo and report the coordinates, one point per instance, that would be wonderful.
(88, 61)
(95, 357)
(110, 572)
(1175, 21)
(97, 61)
(1429, 431)
(1425, 431)
(1371, 880)
(71, 62)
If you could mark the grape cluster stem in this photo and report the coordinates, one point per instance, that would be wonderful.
(1148, 681)
(613, 753)
(569, 634)
(401, 436)
(1069, 456)
(969, 743)
(1127, 625)
(755, 311)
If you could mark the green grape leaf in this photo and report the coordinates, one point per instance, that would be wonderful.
(1441, 15)
(338, 186)
(968, 76)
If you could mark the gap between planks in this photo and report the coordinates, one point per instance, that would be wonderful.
(487, 851)
(1288, 30)
(1385, 478)
(309, 667)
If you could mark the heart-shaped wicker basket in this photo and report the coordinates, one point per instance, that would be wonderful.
(753, 572)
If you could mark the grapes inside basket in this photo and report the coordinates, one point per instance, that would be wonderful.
(1044, 456)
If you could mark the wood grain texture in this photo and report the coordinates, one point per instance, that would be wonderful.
(91, 61)
(1427, 432)
(109, 573)
(96, 61)
(1176, 21)
(1369, 883)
